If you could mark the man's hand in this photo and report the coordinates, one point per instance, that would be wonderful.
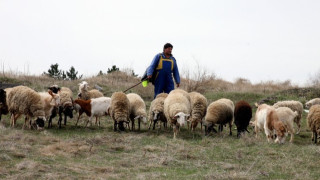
(149, 77)
(178, 85)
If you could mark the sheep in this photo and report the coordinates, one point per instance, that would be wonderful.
(314, 122)
(294, 106)
(137, 110)
(49, 100)
(266, 118)
(66, 105)
(199, 106)
(3, 103)
(287, 116)
(312, 102)
(23, 100)
(177, 109)
(119, 110)
(219, 112)
(156, 111)
(85, 94)
(242, 116)
(95, 107)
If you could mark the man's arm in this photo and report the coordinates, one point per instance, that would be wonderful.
(176, 75)
(153, 65)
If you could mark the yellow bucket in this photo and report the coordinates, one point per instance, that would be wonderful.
(145, 83)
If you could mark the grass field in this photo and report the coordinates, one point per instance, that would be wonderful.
(99, 153)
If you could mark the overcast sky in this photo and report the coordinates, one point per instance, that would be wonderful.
(254, 39)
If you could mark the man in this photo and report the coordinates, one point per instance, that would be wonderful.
(165, 65)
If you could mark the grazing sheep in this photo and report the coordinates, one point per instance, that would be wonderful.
(23, 100)
(119, 110)
(199, 106)
(156, 110)
(66, 105)
(287, 116)
(49, 100)
(95, 107)
(294, 106)
(137, 110)
(266, 118)
(314, 121)
(85, 94)
(242, 116)
(3, 103)
(177, 109)
(219, 112)
(312, 102)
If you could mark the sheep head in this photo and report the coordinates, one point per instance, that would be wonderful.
(181, 118)
(141, 118)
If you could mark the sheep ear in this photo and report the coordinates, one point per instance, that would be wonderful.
(137, 117)
(175, 117)
(256, 104)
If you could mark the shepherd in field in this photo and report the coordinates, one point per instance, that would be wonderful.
(162, 67)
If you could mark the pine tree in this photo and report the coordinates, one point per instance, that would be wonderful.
(72, 74)
(54, 71)
(113, 69)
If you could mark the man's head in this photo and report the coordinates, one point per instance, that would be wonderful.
(167, 48)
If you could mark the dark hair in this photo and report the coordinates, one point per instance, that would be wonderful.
(167, 45)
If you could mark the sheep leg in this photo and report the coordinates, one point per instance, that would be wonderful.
(230, 126)
(150, 124)
(139, 121)
(65, 120)
(154, 125)
(299, 126)
(132, 125)
(175, 131)
(80, 113)
(88, 121)
(291, 138)
(115, 126)
(315, 137)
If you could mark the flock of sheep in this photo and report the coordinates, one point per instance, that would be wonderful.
(177, 108)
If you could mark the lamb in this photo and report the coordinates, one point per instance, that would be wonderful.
(219, 112)
(137, 110)
(266, 117)
(287, 116)
(95, 107)
(3, 103)
(199, 106)
(85, 94)
(242, 116)
(177, 109)
(119, 110)
(294, 106)
(156, 110)
(314, 121)
(23, 100)
(312, 102)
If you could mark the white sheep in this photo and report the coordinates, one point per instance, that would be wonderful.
(66, 105)
(23, 100)
(287, 116)
(86, 94)
(219, 112)
(95, 107)
(312, 102)
(119, 110)
(267, 118)
(177, 109)
(294, 106)
(314, 121)
(156, 110)
(199, 106)
(137, 110)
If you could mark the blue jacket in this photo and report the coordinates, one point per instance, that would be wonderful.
(155, 65)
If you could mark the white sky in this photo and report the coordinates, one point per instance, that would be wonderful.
(255, 39)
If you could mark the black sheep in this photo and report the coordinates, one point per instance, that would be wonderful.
(242, 116)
